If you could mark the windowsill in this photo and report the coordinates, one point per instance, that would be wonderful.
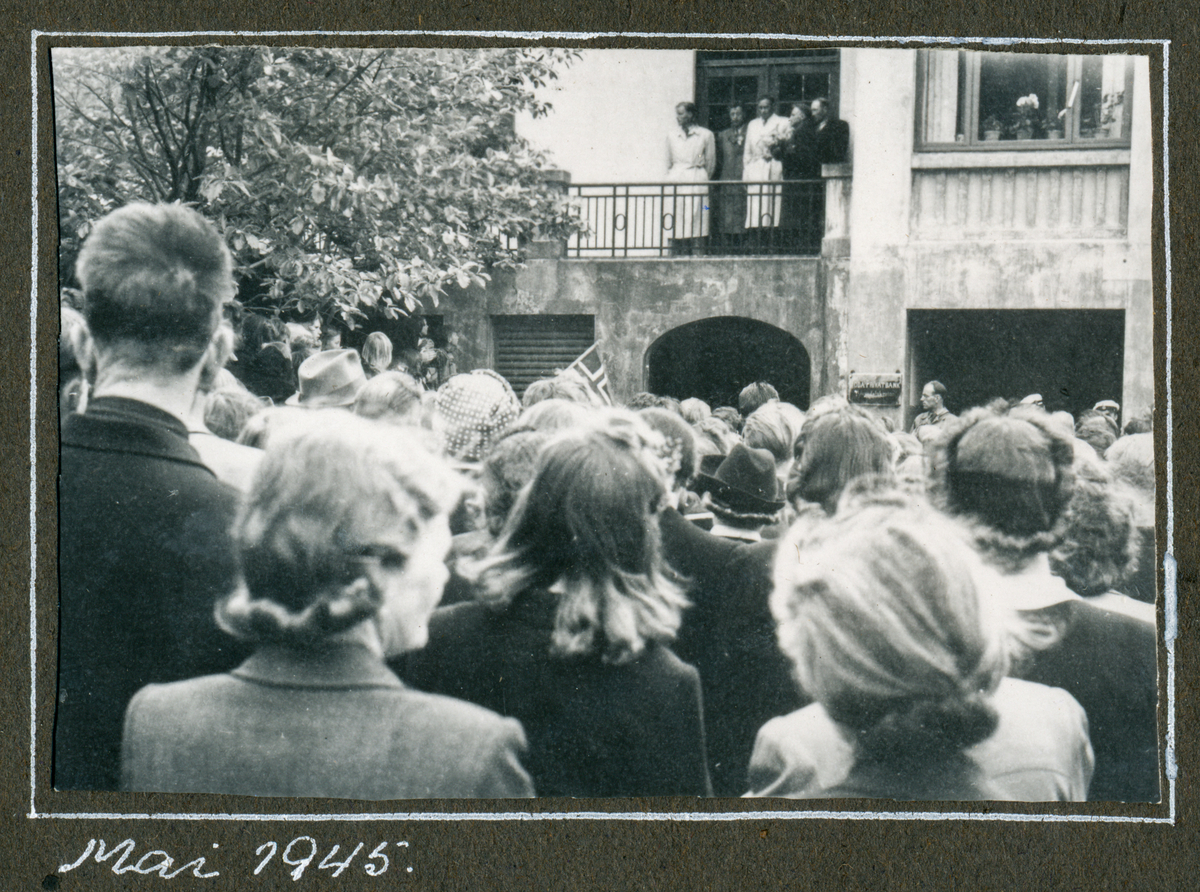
(1035, 156)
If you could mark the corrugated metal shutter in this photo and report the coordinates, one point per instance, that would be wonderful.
(532, 347)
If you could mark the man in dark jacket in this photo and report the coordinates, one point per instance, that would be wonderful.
(831, 135)
(728, 634)
(144, 548)
(729, 217)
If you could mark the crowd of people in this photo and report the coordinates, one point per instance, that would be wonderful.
(368, 589)
(759, 217)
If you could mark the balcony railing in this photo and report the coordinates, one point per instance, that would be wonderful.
(707, 219)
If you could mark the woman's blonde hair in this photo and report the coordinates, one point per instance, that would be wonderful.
(586, 525)
(390, 396)
(377, 353)
(325, 489)
(878, 610)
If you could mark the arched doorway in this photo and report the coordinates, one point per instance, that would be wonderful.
(713, 359)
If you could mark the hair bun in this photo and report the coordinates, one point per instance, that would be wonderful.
(925, 728)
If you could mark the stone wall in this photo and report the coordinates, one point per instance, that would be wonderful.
(636, 301)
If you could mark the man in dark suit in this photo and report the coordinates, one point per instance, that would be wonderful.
(729, 220)
(1109, 663)
(144, 548)
(820, 139)
(831, 135)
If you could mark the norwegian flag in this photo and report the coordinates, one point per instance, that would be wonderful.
(590, 365)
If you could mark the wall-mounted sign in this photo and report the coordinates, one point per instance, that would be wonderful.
(875, 390)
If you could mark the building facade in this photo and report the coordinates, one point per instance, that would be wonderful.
(998, 244)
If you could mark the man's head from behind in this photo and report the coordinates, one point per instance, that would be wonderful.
(155, 278)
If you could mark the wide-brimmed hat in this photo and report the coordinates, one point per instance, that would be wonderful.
(329, 379)
(744, 481)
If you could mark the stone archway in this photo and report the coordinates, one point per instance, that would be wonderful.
(713, 359)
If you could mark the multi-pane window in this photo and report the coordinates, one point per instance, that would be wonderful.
(740, 77)
(1022, 100)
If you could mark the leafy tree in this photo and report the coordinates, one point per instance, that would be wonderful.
(350, 181)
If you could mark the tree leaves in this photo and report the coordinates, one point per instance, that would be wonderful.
(345, 178)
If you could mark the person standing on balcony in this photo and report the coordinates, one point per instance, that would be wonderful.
(691, 158)
(729, 221)
(820, 139)
(832, 134)
(766, 136)
(799, 164)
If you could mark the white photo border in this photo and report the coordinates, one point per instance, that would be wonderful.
(1170, 626)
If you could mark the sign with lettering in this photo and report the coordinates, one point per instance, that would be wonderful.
(881, 389)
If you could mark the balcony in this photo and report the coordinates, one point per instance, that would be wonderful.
(630, 220)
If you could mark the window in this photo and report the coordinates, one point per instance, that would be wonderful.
(740, 77)
(1022, 100)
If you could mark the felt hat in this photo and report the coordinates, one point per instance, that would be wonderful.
(744, 481)
(708, 465)
(329, 379)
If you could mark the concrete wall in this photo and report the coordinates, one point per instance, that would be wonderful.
(910, 254)
(612, 111)
(637, 301)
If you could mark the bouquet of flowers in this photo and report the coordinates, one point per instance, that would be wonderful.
(1027, 107)
(777, 140)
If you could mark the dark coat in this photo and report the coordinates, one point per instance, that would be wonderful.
(799, 159)
(324, 722)
(266, 373)
(729, 635)
(595, 729)
(144, 554)
(730, 201)
(1108, 662)
(833, 142)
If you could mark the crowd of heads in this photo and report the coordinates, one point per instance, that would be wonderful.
(364, 469)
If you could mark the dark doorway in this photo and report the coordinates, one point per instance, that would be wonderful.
(713, 359)
(1073, 358)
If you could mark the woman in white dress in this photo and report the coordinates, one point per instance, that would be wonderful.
(765, 137)
(691, 158)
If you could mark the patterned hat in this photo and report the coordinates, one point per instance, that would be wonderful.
(472, 411)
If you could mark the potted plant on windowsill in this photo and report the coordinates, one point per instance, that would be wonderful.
(993, 129)
(1054, 125)
(1111, 114)
(1027, 108)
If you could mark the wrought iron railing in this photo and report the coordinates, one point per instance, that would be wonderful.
(786, 217)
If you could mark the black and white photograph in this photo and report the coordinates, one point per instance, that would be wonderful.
(744, 428)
